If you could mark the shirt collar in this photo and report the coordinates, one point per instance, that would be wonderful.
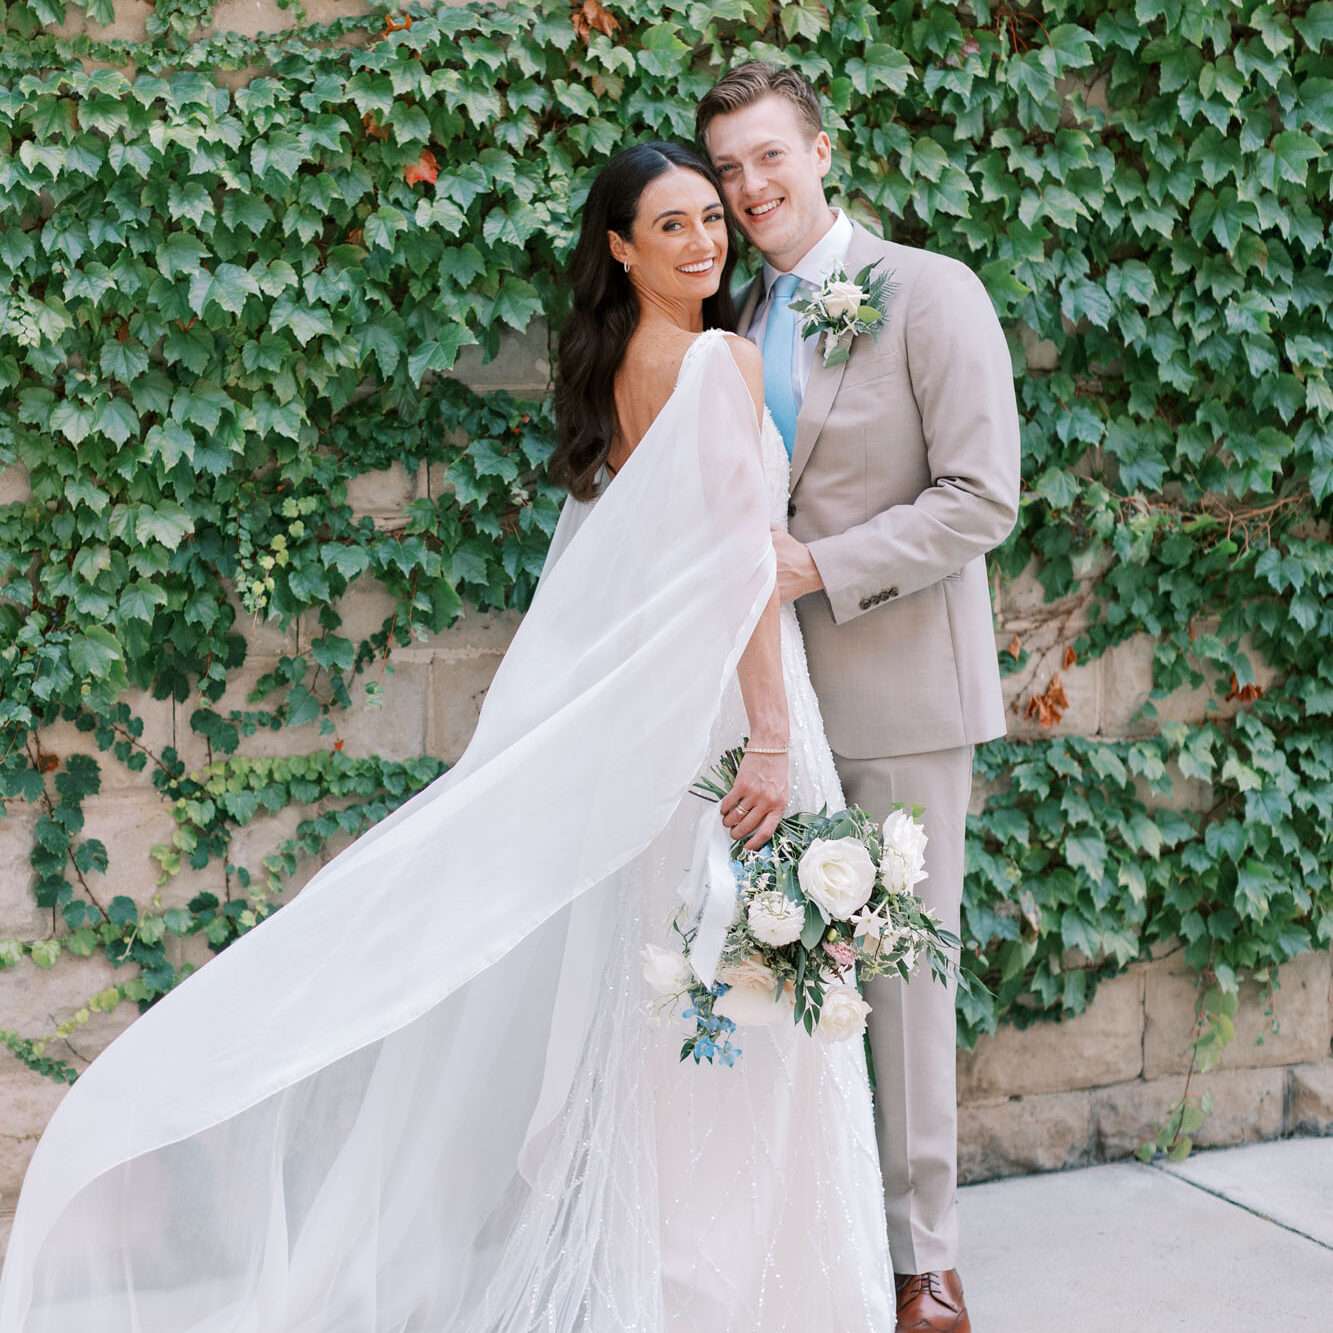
(814, 266)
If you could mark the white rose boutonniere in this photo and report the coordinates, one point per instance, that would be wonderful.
(843, 309)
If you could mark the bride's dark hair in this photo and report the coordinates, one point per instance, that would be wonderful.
(606, 311)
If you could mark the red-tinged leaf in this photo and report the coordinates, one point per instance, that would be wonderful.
(425, 168)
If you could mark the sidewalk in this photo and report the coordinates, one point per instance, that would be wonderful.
(1233, 1240)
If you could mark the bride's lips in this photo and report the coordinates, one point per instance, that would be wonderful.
(701, 268)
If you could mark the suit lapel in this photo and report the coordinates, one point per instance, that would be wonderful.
(824, 380)
(748, 305)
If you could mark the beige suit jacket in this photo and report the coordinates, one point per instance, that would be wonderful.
(905, 472)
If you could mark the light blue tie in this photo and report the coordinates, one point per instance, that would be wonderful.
(779, 342)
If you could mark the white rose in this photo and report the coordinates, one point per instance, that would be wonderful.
(775, 919)
(843, 1013)
(838, 874)
(842, 298)
(665, 971)
(749, 1002)
(904, 861)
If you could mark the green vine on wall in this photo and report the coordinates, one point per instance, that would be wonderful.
(219, 307)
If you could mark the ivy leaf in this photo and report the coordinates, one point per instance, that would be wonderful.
(1087, 851)
(95, 653)
(439, 354)
(1293, 151)
(124, 361)
(166, 522)
(140, 600)
(180, 253)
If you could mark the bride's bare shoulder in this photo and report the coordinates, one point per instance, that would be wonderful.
(750, 362)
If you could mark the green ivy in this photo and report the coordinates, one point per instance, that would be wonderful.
(219, 307)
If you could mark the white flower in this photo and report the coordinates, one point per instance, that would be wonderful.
(871, 922)
(841, 298)
(843, 1013)
(749, 1002)
(837, 874)
(775, 919)
(665, 971)
(904, 861)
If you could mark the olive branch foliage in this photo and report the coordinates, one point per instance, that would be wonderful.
(236, 273)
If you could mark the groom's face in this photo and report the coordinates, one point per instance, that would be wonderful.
(772, 171)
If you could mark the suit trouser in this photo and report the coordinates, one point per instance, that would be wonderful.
(913, 1028)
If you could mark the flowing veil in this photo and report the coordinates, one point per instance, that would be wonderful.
(328, 1126)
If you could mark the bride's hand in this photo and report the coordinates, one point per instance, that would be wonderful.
(757, 799)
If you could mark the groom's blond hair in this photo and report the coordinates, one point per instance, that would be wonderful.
(749, 82)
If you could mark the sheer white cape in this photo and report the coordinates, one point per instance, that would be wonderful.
(330, 1125)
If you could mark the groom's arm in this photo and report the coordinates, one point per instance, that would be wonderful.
(962, 378)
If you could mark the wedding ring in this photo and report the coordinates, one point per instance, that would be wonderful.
(742, 810)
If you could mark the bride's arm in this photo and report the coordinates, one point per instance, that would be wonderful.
(762, 785)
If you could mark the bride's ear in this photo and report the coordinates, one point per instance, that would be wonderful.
(619, 250)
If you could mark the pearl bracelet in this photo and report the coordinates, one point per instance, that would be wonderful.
(761, 749)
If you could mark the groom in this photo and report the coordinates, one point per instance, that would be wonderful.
(904, 473)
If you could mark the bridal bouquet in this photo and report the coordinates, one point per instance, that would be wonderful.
(825, 902)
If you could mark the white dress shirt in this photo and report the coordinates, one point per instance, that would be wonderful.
(812, 268)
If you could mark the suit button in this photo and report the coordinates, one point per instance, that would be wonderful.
(791, 510)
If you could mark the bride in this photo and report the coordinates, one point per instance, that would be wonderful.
(432, 1094)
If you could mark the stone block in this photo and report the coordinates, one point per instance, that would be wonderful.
(385, 494)
(1043, 1132)
(62, 739)
(1247, 1107)
(1127, 671)
(395, 725)
(1082, 689)
(1102, 1045)
(1041, 353)
(458, 687)
(1310, 1098)
(264, 742)
(20, 917)
(521, 365)
(1186, 794)
(14, 484)
(29, 1101)
(1026, 609)
(264, 637)
(474, 633)
(263, 836)
(364, 607)
(130, 825)
(1300, 1007)
(129, 24)
(34, 1001)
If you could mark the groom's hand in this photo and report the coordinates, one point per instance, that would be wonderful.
(797, 572)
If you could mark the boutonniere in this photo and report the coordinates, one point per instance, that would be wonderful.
(843, 310)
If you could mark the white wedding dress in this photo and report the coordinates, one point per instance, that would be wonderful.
(430, 1094)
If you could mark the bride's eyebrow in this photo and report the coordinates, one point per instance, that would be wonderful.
(680, 212)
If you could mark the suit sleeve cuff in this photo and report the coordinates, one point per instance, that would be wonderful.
(842, 581)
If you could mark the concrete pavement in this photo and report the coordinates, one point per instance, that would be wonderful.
(1233, 1240)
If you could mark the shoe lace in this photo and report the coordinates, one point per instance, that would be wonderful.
(918, 1283)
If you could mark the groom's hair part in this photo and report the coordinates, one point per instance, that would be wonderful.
(605, 309)
(747, 83)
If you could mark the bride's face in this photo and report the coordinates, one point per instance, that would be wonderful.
(679, 240)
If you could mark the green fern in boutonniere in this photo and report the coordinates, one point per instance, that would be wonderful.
(842, 310)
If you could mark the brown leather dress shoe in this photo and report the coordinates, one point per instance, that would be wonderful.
(931, 1303)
